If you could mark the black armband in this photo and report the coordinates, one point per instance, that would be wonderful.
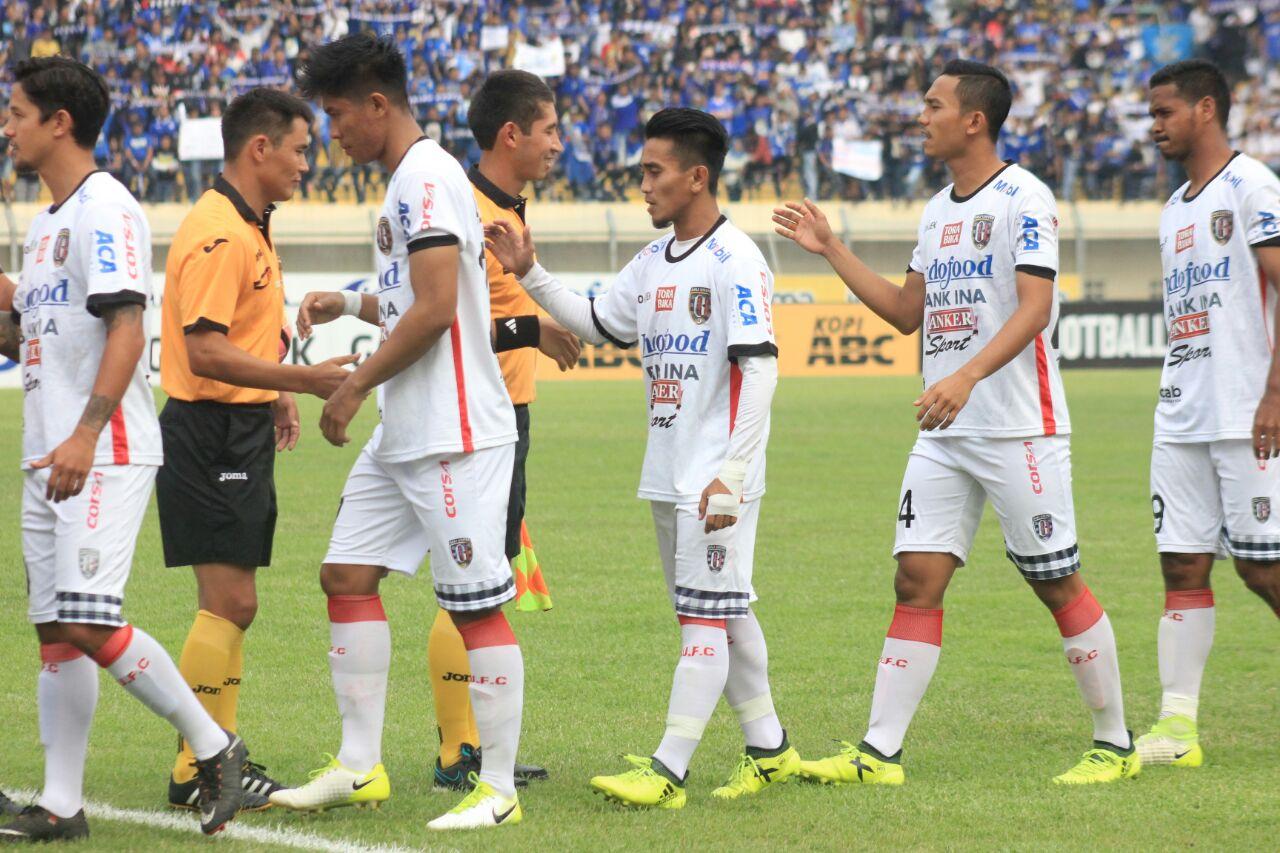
(516, 333)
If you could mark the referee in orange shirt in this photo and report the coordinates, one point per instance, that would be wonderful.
(513, 119)
(223, 339)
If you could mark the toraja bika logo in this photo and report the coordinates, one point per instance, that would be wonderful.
(666, 299)
(951, 234)
(384, 236)
(1185, 240)
(982, 225)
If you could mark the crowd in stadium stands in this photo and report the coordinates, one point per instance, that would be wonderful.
(802, 85)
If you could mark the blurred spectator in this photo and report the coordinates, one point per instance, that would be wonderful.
(787, 77)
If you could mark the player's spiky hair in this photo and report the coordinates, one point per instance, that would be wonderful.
(699, 138)
(1196, 79)
(356, 66)
(507, 95)
(57, 83)
(266, 111)
(982, 88)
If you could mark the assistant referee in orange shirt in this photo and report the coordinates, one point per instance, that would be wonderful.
(223, 339)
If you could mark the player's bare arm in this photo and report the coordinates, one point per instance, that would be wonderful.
(940, 404)
(69, 463)
(10, 334)
(324, 306)
(212, 356)
(807, 226)
(433, 274)
(1266, 420)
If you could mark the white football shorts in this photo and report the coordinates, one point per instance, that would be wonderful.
(708, 574)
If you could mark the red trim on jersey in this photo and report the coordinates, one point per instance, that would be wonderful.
(456, 336)
(119, 437)
(1046, 394)
(735, 389)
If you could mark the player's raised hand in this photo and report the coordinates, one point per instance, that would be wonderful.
(942, 401)
(804, 223)
(558, 343)
(319, 307)
(1266, 427)
(513, 248)
(338, 411)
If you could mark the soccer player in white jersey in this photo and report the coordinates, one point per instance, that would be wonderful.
(697, 302)
(436, 474)
(90, 449)
(1214, 478)
(993, 420)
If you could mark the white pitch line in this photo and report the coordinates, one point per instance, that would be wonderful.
(236, 831)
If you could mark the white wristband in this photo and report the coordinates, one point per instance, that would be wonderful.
(732, 473)
(353, 301)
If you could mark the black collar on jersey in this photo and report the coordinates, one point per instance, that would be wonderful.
(497, 194)
(222, 185)
(1234, 155)
(53, 208)
(406, 152)
(961, 199)
(672, 259)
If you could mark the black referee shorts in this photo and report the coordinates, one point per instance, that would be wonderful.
(515, 504)
(216, 491)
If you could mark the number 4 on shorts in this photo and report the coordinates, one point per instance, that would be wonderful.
(904, 512)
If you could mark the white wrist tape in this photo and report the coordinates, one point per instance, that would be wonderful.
(732, 473)
(353, 300)
(722, 504)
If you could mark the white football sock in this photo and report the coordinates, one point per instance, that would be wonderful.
(497, 696)
(67, 693)
(142, 666)
(907, 663)
(1185, 638)
(746, 688)
(1090, 646)
(695, 689)
(359, 658)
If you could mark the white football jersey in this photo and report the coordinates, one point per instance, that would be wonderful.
(969, 250)
(92, 250)
(451, 400)
(694, 310)
(1219, 310)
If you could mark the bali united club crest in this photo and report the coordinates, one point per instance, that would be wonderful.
(1221, 226)
(89, 562)
(1262, 508)
(1043, 526)
(384, 236)
(715, 557)
(60, 247)
(700, 304)
(461, 551)
(982, 224)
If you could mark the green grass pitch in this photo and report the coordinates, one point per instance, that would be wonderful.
(1001, 717)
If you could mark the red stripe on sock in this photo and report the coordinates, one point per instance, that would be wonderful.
(492, 630)
(698, 620)
(916, 623)
(58, 652)
(1078, 616)
(114, 647)
(356, 608)
(1187, 599)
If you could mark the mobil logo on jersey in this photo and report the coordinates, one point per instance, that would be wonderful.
(1189, 326)
(1182, 279)
(943, 271)
(951, 320)
(665, 343)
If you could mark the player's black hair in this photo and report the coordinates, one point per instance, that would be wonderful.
(507, 95)
(698, 137)
(266, 111)
(982, 88)
(57, 83)
(355, 66)
(1196, 79)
